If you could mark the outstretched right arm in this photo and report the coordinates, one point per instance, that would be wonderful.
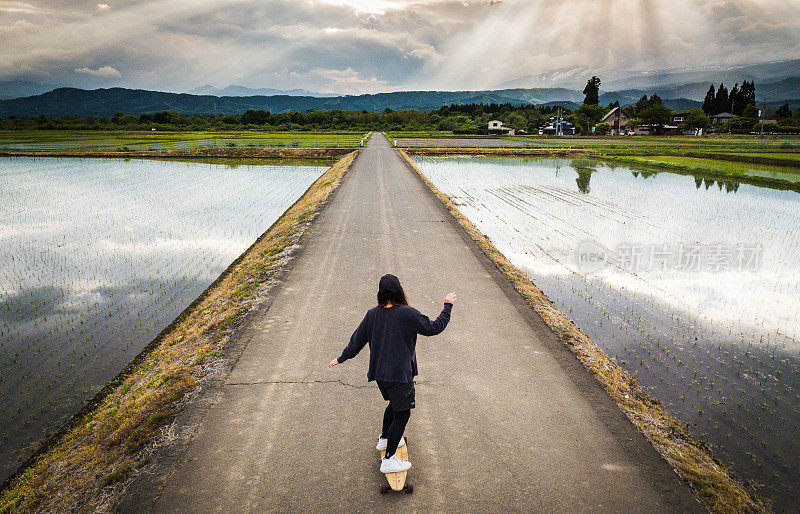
(424, 326)
(357, 342)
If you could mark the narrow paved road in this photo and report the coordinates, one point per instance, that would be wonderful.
(506, 418)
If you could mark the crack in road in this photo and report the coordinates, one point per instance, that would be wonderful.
(260, 382)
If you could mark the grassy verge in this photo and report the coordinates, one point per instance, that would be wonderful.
(86, 467)
(689, 457)
(788, 156)
(130, 136)
(220, 152)
(510, 152)
(782, 159)
(763, 175)
(730, 142)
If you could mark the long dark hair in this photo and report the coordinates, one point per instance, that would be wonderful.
(390, 291)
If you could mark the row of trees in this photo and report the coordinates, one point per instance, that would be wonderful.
(734, 102)
(740, 101)
(464, 119)
(457, 118)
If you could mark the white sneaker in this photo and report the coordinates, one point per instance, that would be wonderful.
(394, 465)
(381, 447)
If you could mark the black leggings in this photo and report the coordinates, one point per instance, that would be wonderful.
(394, 424)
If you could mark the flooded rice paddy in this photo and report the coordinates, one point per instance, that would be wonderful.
(688, 283)
(97, 256)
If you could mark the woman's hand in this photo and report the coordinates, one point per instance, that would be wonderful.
(333, 363)
(450, 298)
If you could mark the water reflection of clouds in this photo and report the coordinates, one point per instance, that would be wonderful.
(550, 217)
(714, 346)
(99, 255)
(29, 304)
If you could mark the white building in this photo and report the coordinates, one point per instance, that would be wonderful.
(499, 126)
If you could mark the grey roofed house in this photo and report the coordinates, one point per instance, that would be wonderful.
(722, 117)
(560, 126)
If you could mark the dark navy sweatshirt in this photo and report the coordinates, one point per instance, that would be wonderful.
(392, 336)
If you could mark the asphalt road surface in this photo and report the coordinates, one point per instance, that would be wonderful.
(507, 419)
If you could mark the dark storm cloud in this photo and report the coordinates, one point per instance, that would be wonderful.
(365, 46)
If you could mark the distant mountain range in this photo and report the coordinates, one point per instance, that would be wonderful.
(19, 88)
(776, 82)
(246, 91)
(618, 79)
(106, 102)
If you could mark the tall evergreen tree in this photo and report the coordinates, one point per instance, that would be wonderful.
(709, 105)
(748, 93)
(655, 100)
(740, 98)
(592, 91)
(783, 112)
(721, 101)
(735, 100)
(641, 105)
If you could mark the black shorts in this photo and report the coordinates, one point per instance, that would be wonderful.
(399, 395)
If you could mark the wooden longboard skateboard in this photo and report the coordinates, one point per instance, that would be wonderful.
(397, 481)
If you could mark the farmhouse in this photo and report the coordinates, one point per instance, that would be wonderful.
(559, 126)
(617, 119)
(722, 118)
(497, 126)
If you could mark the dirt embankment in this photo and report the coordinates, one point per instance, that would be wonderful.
(228, 152)
(91, 462)
(750, 159)
(511, 152)
(689, 457)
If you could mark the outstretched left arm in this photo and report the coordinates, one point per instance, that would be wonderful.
(357, 341)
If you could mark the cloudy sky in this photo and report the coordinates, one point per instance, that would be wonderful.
(359, 46)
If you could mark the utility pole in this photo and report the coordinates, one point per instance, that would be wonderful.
(762, 113)
(558, 123)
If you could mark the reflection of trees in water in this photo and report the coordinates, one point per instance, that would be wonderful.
(584, 177)
(643, 174)
(584, 168)
(729, 185)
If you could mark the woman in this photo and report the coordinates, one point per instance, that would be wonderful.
(391, 330)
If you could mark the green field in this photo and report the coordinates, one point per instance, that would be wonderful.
(710, 143)
(779, 176)
(124, 135)
(55, 140)
(784, 155)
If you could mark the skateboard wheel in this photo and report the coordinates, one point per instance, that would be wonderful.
(409, 488)
(383, 489)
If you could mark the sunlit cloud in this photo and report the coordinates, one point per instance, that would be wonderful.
(394, 44)
(103, 71)
(19, 8)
